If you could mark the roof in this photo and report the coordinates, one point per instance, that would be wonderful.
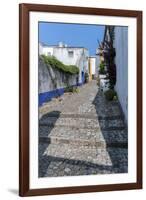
(93, 56)
(57, 46)
(46, 45)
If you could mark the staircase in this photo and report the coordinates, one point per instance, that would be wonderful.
(83, 143)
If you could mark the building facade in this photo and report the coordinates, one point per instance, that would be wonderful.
(119, 38)
(93, 67)
(52, 82)
(69, 55)
(121, 61)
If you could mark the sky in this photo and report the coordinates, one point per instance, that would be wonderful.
(71, 34)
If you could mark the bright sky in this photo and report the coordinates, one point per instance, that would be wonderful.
(71, 34)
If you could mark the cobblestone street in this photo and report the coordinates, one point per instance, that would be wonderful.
(82, 134)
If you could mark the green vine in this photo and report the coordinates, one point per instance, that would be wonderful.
(55, 63)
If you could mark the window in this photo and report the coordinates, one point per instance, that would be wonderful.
(49, 53)
(70, 53)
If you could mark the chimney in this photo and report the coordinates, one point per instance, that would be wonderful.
(61, 44)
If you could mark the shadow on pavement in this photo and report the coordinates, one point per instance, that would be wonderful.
(116, 148)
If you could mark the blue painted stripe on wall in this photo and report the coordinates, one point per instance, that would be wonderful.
(47, 96)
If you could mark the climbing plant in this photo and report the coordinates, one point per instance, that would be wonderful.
(55, 63)
(102, 68)
(110, 57)
(108, 52)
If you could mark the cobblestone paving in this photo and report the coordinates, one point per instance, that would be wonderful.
(82, 134)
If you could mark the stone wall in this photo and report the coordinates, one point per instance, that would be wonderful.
(51, 82)
(79, 58)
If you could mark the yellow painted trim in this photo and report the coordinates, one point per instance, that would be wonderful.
(90, 70)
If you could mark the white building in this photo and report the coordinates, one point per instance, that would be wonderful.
(93, 65)
(69, 55)
(45, 49)
(120, 43)
(121, 61)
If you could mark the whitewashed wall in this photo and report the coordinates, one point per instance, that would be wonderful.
(93, 64)
(79, 58)
(121, 60)
(45, 50)
(40, 49)
(50, 78)
(97, 64)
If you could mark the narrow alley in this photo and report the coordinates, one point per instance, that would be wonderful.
(82, 134)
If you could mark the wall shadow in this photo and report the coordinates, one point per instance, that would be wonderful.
(77, 167)
(114, 131)
(115, 138)
(45, 128)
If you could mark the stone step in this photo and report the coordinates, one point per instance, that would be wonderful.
(111, 124)
(84, 153)
(83, 137)
(79, 115)
(69, 132)
(70, 122)
(82, 156)
(86, 123)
